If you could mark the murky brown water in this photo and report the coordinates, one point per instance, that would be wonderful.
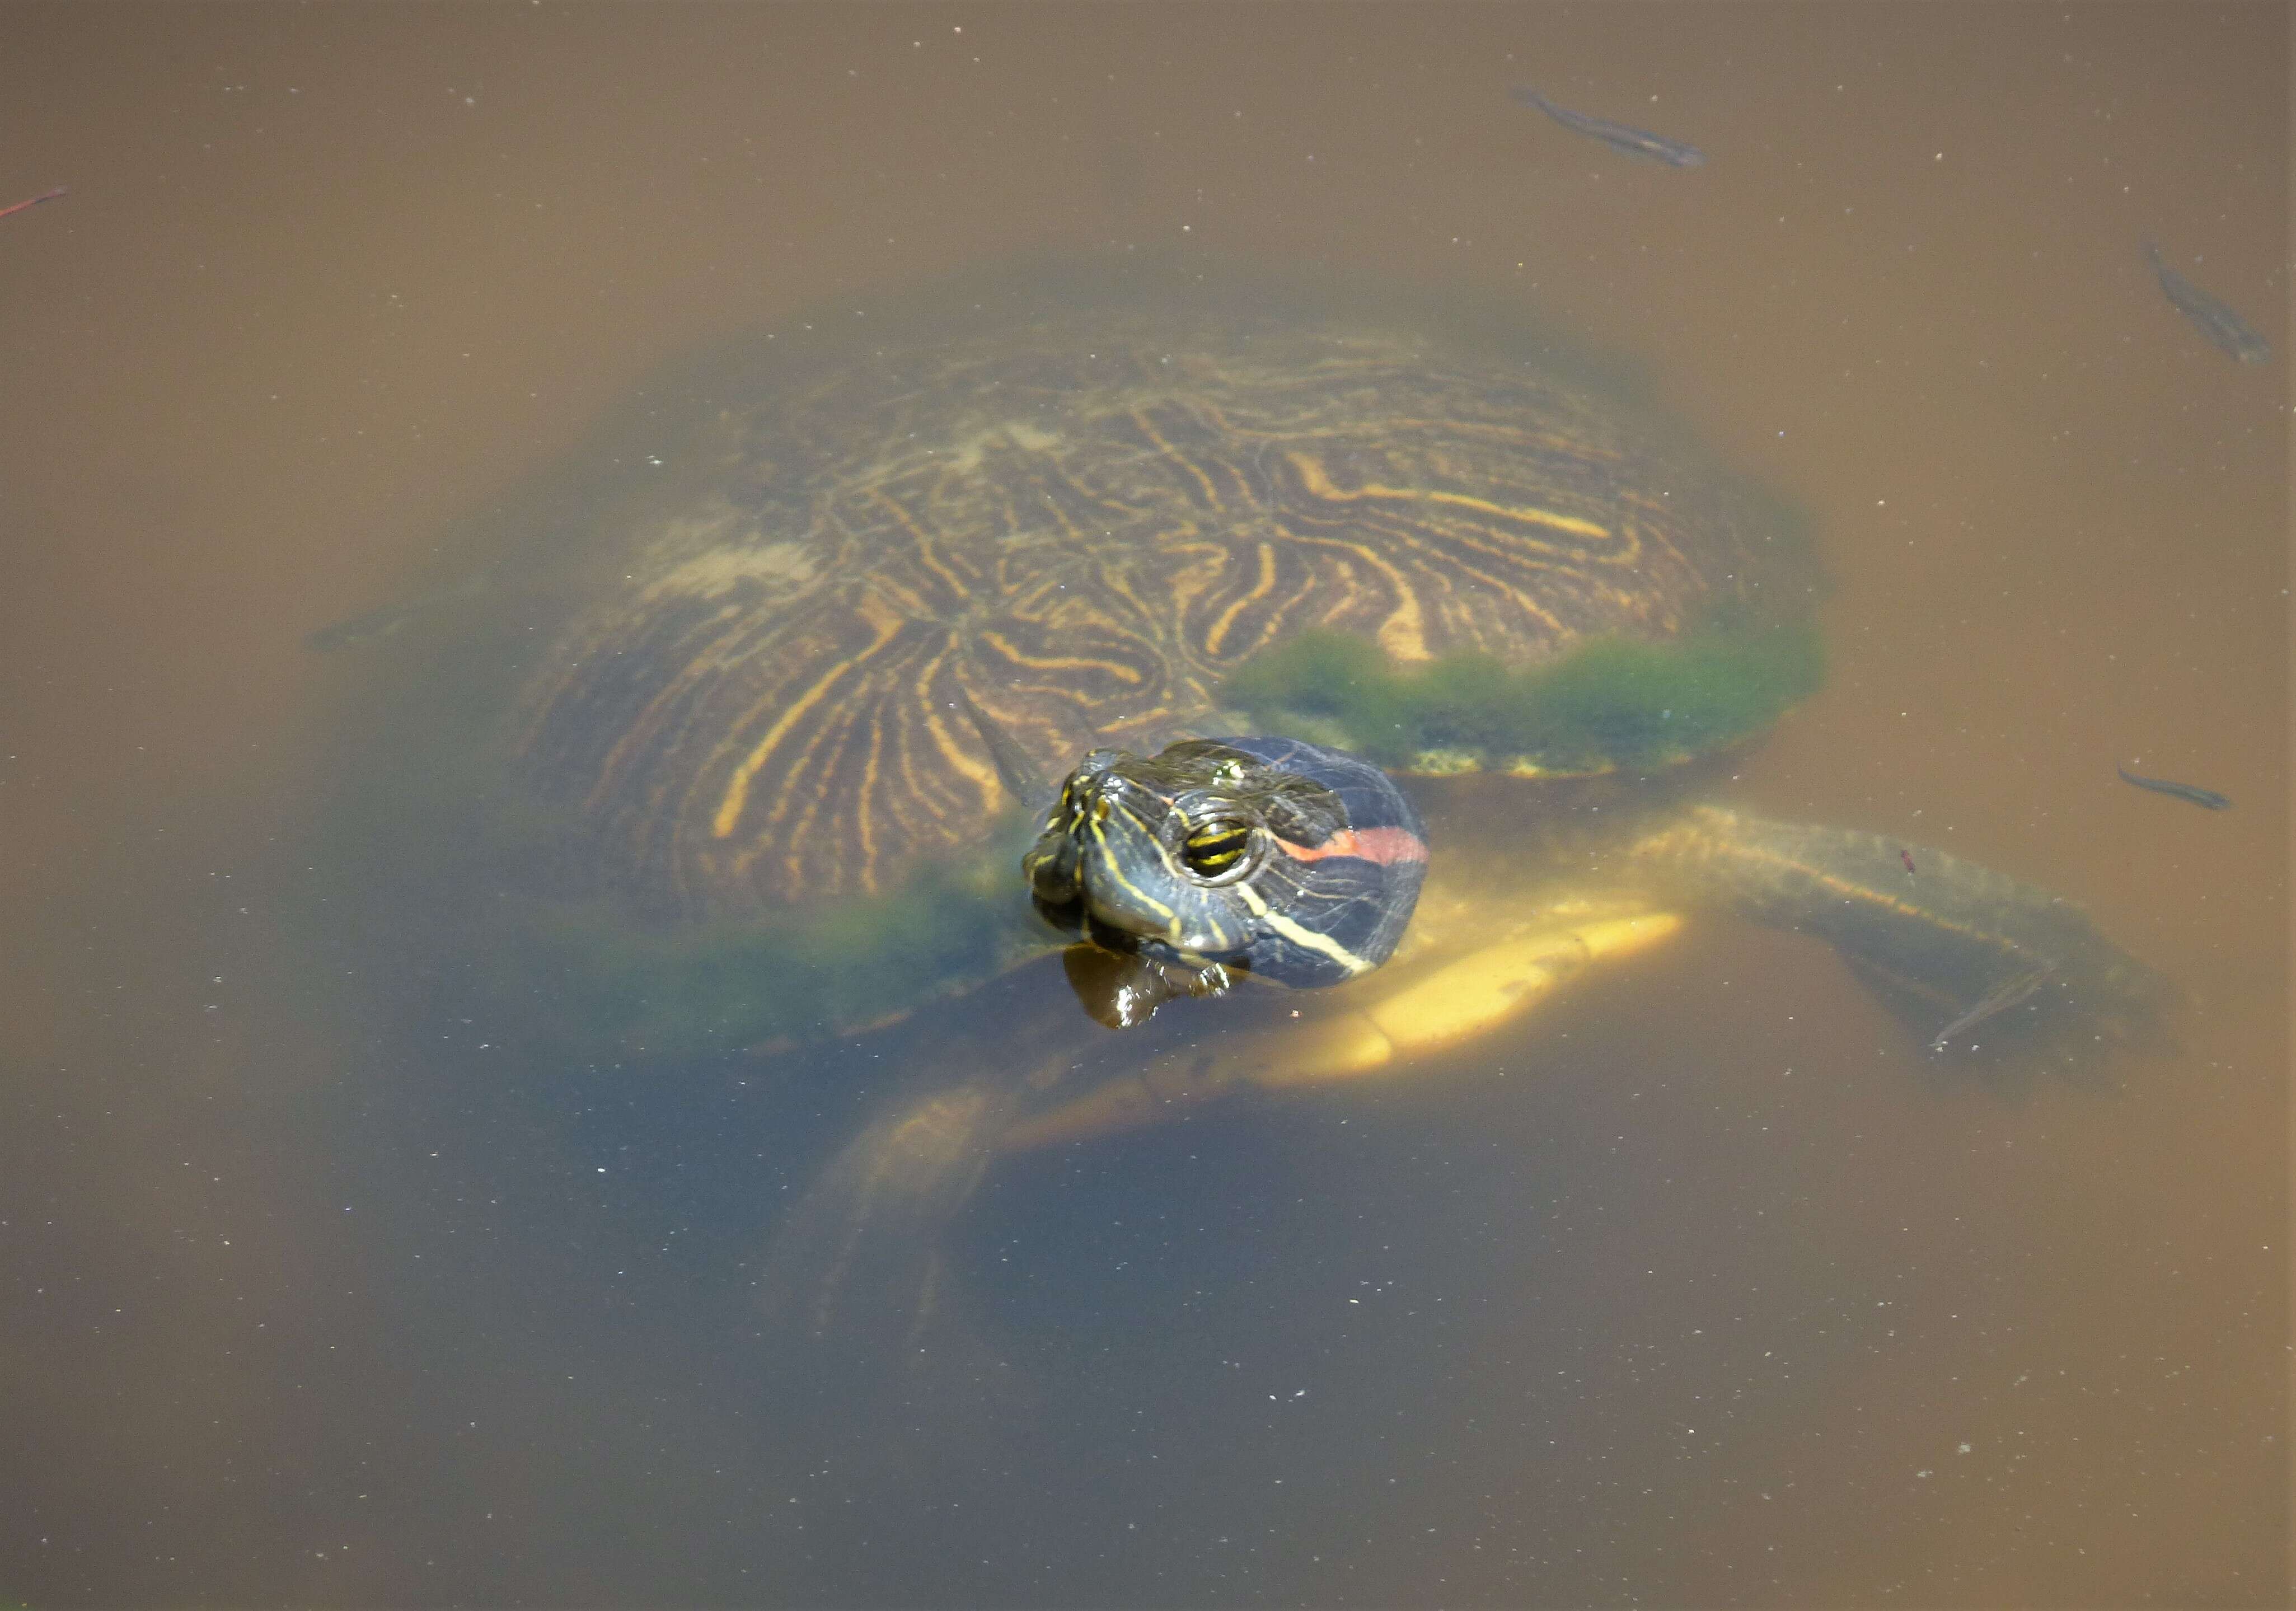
(1706, 1288)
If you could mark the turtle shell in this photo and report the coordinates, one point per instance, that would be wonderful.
(869, 611)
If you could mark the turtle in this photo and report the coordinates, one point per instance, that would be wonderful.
(820, 711)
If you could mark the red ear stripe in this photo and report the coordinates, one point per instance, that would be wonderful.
(1384, 846)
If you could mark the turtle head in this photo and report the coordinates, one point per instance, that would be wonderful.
(1150, 850)
(1291, 860)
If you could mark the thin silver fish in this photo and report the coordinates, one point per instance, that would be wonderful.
(371, 627)
(2219, 323)
(2198, 796)
(1617, 137)
(2011, 991)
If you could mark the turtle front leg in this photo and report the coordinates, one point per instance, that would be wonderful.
(1390, 1022)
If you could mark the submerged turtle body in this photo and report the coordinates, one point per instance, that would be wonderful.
(763, 750)
(840, 651)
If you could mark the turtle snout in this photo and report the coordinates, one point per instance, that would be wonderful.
(1103, 848)
(1055, 865)
(1052, 868)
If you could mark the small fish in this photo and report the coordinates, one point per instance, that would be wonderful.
(362, 630)
(2216, 322)
(2209, 798)
(2011, 991)
(1906, 856)
(1617, 137)
(35, 202)
(371, 627)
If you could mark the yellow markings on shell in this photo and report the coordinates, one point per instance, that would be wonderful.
(960, 758)
(1174, 455)
(737, 798)
(1260, 589)
(697, 669)
(1403, 635)
(863, 828)
(900, 515)
(1069, 528)
(1310, 471)
(1194, 576)
(1531, 766)
(1058, 663)
(889, 588)
(923, 544)
(929, 557)
(1118, 581)
(829, 733)
(920, 693)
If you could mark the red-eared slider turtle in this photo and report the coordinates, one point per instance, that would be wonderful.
(763, 765)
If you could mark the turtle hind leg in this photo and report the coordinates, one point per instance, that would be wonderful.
(1973, 962)
(855, 1280)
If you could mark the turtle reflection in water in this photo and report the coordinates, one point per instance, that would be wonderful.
(806, 700)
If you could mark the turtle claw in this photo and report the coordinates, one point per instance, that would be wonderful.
(1122, 989)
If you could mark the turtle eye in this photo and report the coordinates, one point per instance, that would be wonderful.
(1215, 849)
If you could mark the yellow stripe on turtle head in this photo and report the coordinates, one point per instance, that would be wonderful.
(1306, 939)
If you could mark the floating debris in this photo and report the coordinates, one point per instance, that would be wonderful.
(35, 202)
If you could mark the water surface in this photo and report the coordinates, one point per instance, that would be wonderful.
(1709, 1286)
